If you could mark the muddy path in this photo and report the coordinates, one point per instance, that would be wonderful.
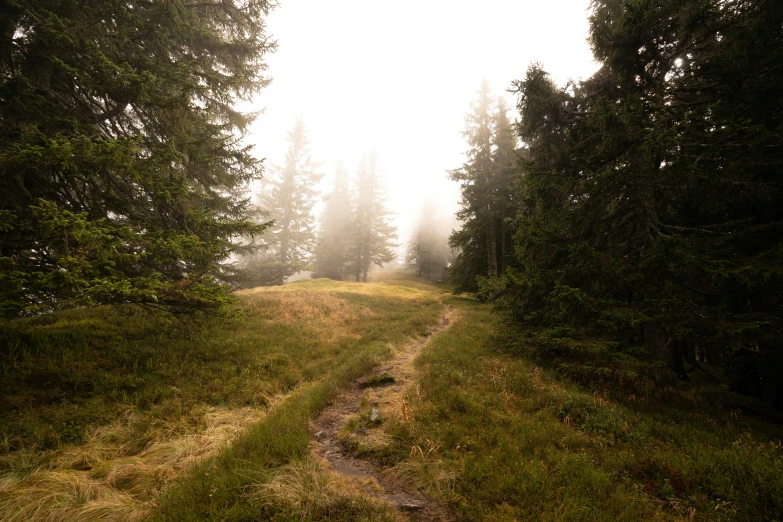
(383, 391)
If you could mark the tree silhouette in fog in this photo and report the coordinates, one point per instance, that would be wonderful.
(371, 236)
(288, 198)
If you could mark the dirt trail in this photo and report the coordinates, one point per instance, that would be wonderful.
(386, 400)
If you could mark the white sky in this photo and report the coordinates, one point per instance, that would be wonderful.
(399, 76)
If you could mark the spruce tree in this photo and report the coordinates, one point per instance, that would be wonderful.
(371, 235)
(477, 239)
(121, 164)
(487, 205)
(650, 217)
(506, 173)
(331, 252)
(288, 198)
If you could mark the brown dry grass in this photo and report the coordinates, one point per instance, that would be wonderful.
(309, 491)
(303, 485)
(424, 469)
(112, 476)
(120, 469)
(334, 316)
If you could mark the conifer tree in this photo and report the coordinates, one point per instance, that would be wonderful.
(121, 168)
(288, 198)
(486, 181)
(506, 173)
(651, 219)
(371, 235)
(330, 254)
(428, 254)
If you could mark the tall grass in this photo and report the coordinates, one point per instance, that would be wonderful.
(105, 409)
(525, 444)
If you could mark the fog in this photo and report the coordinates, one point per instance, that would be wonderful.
(398, 78)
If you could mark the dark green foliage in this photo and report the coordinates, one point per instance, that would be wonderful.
(651, 200)
(486, 180)
(119, 149)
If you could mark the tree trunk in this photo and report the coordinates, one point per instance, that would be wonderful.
(284, 240)
(711, 354)
(676, 361)
(492, 248)
(771, 391)
(664, 349)
(689, 350)
(503, 250)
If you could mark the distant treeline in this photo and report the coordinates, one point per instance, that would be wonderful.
(639, 231)
(355, 231)
(428, 252)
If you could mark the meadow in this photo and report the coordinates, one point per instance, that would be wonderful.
(103, 410)
(119, 414)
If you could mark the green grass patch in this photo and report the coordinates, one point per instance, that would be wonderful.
(87, 392)
(504, 439)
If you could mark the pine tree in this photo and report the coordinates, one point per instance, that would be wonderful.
(288, 198)
(428, 254)
(121, 167)
(331, 252)
(371, 235)
(650, 216)
(486, 180)
(506, 173)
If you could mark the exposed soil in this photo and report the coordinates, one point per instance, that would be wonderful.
(384, 390)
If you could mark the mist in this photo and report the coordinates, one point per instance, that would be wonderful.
(398, 79)
(354, 260)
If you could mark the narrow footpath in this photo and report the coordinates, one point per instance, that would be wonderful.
(386, 399)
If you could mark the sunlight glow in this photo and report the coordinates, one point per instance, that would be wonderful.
(398, 77)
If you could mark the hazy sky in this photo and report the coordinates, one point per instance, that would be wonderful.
(399, 77)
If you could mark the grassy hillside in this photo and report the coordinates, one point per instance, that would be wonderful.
(101, 409)
(115, 414)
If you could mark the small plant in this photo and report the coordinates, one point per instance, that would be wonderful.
(425, 470)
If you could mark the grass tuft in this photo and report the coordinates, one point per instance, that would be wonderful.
(378, 380)
(424, 470)
(304, 490)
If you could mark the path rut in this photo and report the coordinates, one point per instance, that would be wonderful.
(385, 400)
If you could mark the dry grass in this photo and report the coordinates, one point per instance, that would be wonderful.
(334, 316)
(307, 490)
(113, 476)
(424, 469)
(302, 485)
(140, 401)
